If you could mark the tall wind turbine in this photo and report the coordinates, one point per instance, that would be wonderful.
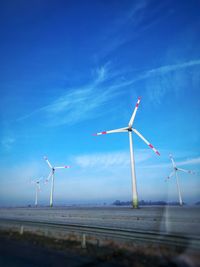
(51, 176)
(174, 173)
(130, 129)
(37, 189)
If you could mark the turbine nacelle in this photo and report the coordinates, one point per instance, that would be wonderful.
(36, 181)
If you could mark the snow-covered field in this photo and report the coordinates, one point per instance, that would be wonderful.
(183, 220)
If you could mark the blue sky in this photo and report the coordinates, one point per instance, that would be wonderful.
(73, 68)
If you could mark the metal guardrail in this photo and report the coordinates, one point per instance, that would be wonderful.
(192, 242)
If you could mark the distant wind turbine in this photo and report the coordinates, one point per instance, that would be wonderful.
(37, 189)
(51, 176)
(174, 173)
(129, 129)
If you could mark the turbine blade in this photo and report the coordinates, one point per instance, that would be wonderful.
(173, 162)
(134, 112)
(120, 130)
(147, 142)
(48, 178)
(41, 178)
(62, 167)
(187, 171)
(171, 174)
(31, 181)
(47, 161)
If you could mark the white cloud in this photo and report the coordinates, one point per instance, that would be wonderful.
(80, 103)
(7, 143)
(168, 68)
(117, 32)
(193, 161)
(138, 18)
(166, 78)
(108, 159)
(189, 161)
(85, 102)
(162, 70)
(101, 74)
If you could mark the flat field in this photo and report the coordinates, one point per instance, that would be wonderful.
(169, 219)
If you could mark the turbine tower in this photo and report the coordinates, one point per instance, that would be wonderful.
(174, 173)
(130, 129)
(51, 176)
(37, 189)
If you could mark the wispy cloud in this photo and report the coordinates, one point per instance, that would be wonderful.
(171, 78)
(118, 159)
(77, 106)
(84, 102)
(116, 33)
(192, 161)
(189, 161)
(138, 18)
(168, 68)
(158, 81)
(79, 103)
(7, 143)
(162, 70)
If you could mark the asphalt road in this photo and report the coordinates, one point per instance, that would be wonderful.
(29, 252)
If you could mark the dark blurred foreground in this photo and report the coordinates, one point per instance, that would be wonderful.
(31, 251)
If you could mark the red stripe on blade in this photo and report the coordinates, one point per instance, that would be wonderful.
(104, 132)
(137, 105)
(150, 145)
(157, 153)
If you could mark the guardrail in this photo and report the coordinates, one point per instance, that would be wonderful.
(192, 242)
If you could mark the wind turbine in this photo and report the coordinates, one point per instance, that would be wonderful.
(130, 129)
(51, 175)
(37, 189)
(174, 173)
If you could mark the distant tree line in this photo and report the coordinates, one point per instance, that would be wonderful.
(148, 203)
